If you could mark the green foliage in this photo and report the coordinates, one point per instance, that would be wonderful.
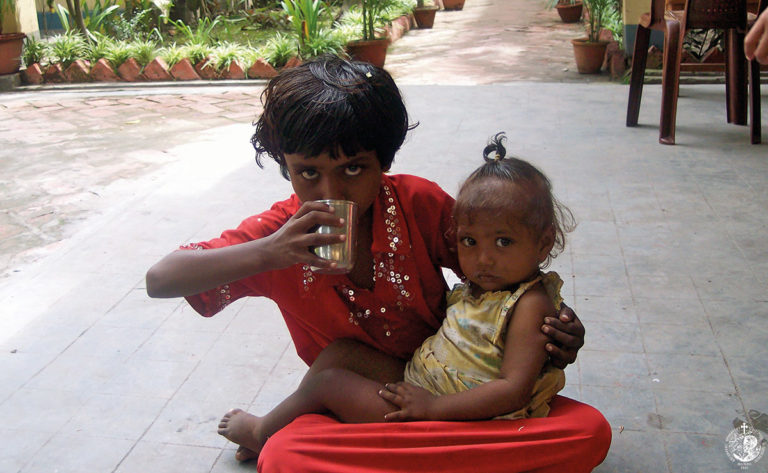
(223, 55)
(305, 17)
(95, 17)
(265, 18)
(136, 25)
(143, 51)
(117, 52)
(34, 51)
(371, 17)
(67, 48)
(348, 29)
(100, 47)
(7, 7)
(202, 33)
(598, 11)
(172, 54)
(325, 42)
(63, 14)
(196, 52)
(279, 49)
(396, 8)
(615, 24)
(251, 55)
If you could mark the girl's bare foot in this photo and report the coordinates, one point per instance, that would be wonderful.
(243, 429)
(244, 454)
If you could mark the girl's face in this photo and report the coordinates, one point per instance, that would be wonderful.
(497, 253)
(356, 178)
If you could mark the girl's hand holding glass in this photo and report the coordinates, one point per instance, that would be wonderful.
(293, 242)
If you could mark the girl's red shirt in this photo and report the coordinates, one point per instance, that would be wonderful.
(412, 242)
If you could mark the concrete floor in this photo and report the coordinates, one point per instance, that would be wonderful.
(668, 267)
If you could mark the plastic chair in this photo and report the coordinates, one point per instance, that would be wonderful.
(728, 15)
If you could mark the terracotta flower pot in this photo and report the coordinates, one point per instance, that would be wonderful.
(10, 52)
(570, 13)
(453, 4)
(425, 16)
(373, 51)
(588, 55)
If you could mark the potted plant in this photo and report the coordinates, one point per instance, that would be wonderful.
(453, 4)
(370, 48)
(424, 14)
(589, 52)
(11, 44)
(569, 10)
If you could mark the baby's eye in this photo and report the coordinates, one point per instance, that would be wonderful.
(467, 241)
(503, 242)
(353, 170)
(308, 174)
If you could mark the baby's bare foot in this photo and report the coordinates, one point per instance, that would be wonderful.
(243, 429)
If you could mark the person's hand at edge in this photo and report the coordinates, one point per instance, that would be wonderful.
(756, 41)
(566, 334)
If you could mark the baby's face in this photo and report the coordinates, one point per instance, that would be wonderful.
(496, 254)
(356, 178)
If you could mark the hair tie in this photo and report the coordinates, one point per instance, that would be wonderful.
(496, 147)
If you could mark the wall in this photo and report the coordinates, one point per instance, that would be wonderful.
(25, 20)
(631, 12)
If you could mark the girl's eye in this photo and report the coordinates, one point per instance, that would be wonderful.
(353, 170)
(503, 242)
(467, 241)
(308, 174)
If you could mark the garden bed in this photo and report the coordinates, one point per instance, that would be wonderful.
(70, 58)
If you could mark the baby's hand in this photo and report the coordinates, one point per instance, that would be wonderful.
(414, 402)
(293, 242)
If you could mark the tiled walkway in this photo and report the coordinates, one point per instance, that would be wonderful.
(668, 267)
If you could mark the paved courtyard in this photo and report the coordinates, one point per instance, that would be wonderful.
(668, 267)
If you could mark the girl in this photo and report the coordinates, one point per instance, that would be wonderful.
(487, 360)
(334, 127)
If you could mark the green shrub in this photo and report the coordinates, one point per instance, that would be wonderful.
(223, 55)
(251, 54)
(67, 48)
(279, 49)
(99, 47)
(172, 54)
(126, 27)
(325, 42)
(34, 51)
(196, 52)
(117, 52)
(201, 33)
(144, 51)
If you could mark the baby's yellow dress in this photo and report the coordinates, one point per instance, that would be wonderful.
(468, 349)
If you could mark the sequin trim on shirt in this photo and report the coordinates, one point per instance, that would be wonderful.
(387, 267)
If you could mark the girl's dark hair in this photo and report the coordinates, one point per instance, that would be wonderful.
(332, 105)
(533, 202)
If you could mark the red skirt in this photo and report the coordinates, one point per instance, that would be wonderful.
(574, 438)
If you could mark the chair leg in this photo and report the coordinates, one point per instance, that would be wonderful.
(736, 78)
(639, 59)
(754, 106)
(670, 81)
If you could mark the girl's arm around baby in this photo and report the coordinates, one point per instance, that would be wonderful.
(524, 357)
(187, 272)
